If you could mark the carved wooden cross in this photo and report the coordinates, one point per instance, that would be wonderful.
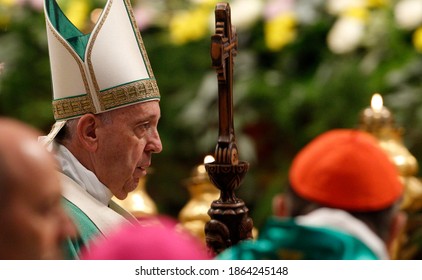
(223, 50)
(229, 222)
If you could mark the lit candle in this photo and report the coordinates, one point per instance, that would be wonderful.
(209, 159)
(378, 121)
(376, 103)
(376, 117)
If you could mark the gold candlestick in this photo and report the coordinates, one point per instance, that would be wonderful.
(379, 121)
(194, 215)
(138, 202)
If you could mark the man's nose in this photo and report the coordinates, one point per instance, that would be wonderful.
(155, 144)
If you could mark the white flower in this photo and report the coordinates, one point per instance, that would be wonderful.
(408, 13)
(346, 35)
(246, 12)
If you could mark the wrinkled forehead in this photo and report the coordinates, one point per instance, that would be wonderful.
(139, 111)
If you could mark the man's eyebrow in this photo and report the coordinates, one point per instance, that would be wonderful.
(143, 120)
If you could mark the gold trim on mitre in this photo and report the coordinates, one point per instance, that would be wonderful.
(129, 94)
(71, 107)
(109, 70)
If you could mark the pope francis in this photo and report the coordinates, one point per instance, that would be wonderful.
(106, 107)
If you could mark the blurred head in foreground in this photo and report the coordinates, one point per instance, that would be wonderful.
(33, 222)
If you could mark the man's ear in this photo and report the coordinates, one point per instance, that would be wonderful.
(86, 131)
(397, 229)
(279, 205)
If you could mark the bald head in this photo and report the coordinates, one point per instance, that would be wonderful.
(34, 224)
(22, 158)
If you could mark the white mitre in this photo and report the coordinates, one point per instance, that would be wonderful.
(100, 71)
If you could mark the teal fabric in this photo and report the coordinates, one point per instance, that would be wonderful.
(87, 230)
(65, 27)
(284, 239)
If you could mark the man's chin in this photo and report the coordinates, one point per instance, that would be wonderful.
(132, 187)
(128, 188)
(135, 184)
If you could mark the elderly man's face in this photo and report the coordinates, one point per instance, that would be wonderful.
(126, 145)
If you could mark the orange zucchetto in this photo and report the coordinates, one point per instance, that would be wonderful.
(346, 169)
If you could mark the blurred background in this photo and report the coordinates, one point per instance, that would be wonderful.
(303, 67)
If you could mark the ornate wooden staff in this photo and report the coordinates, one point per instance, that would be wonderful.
(229, 222)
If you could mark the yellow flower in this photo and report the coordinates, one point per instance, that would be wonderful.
(377, 3)
(358, 13)
(206, 3)
(77, 13)
(417, 39)
(7, 3)
(189, 26)
(5, 14)
(280, 31)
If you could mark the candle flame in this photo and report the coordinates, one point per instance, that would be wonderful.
(209, 159)
(376, 102)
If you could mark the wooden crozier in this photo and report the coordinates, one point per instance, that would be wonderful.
(229, 222)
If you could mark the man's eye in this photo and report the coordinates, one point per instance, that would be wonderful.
(142, 129)
(146, 125)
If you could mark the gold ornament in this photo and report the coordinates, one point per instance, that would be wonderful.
(194, 215)
(138, 202)
(379, 121)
